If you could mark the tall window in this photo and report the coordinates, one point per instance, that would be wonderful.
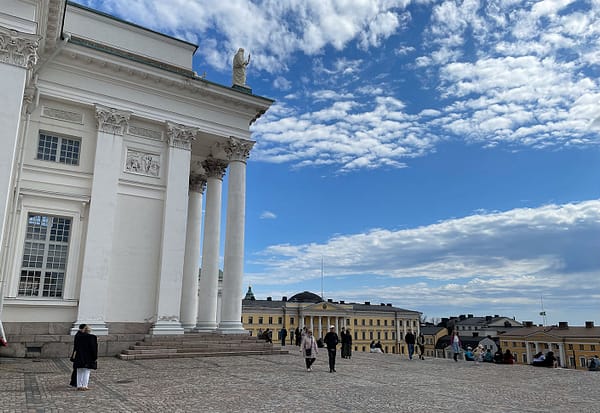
(44, 256)
(48, 149)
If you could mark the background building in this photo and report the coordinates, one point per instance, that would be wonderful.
(366, 321)
(573, 346)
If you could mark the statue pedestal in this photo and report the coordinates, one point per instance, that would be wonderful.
(244, 89)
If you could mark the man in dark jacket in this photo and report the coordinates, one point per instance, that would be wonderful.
(331, 340)
(409, 338)
(73, 382)
(283, 336)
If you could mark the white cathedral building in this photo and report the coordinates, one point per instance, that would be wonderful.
(109, 143)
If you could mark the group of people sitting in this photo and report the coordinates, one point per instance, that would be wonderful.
(375, 347)
(545, 360)
(482, 355)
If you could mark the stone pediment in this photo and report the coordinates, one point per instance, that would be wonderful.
(326, 307)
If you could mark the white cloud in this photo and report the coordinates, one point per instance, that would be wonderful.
(558, 239)
(496, 262)
(268, 215)
(282, 83)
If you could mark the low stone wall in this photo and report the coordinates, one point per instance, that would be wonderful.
(53, 340)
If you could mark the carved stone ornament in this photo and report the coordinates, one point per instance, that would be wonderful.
(197, 183)
(111, 120)
(180, 136)
(238, 149)
(215, 168)
(142, 163)
(18, 49)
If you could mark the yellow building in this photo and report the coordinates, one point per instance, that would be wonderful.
(366, 321)
(573, 346)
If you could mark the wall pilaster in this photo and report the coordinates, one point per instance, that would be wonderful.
(93, 295)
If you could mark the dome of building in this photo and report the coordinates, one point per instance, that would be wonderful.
(305, 297)
(249, 294)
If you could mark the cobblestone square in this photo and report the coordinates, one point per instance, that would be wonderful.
(279, 383)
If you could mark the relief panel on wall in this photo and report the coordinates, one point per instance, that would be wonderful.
(142, 163)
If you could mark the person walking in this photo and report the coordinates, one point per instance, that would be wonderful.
(331, 341)
(309, 350)
(283, 336)
(409, 339)
(86, 357)
(456, 345)
(73, 382)
(346, 344)
(421, 344)
(298, 336)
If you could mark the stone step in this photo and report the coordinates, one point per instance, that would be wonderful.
(163, 343)
(151, 351)
(147, 356)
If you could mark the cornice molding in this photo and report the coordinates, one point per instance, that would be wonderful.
(180, 136)
(173, 80)
(110, 120)
(18, 49)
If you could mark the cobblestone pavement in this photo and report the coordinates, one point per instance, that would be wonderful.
(279, 383)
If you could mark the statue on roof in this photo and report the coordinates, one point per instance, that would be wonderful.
(239, 68)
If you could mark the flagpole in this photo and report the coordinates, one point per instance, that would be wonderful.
(322, 295)
(543, 312)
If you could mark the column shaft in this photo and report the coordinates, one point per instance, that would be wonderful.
(233, 268)
(208, 287)
(191, 266)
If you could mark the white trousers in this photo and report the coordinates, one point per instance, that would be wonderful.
(83, 377)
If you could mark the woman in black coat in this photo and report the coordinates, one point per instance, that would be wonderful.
(86, 357)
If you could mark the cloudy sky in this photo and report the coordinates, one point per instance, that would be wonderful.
(443, 156)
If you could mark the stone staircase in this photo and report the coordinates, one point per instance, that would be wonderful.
(198, 345)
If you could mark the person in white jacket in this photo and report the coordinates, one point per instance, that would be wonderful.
(308, 347)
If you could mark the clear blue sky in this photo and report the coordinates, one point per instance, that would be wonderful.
(443, 156)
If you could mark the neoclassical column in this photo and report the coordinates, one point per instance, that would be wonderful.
(93, 295)
(312, 325)
(172, 254)
(191, 266)
(18, 54)
(320, 324)
(209, 278)
(237, 151)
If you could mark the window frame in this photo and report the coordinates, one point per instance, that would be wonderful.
(61, 140)
(45, 268)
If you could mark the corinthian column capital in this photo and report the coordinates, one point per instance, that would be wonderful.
(238, 149)
(215, 168)
(180, 136)
(18, 49)
(111, 120)
(197, 182)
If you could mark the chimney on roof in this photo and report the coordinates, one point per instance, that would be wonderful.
(528, 324)
(488, 318)
(589, 324)
(367, 303)
(382, 304)
(469, 315)
(330, 300)
(496, 315)
(342, 302)
(389, 304)
(462, 317)
(269, 299)
(284, 298)
(563, 324)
